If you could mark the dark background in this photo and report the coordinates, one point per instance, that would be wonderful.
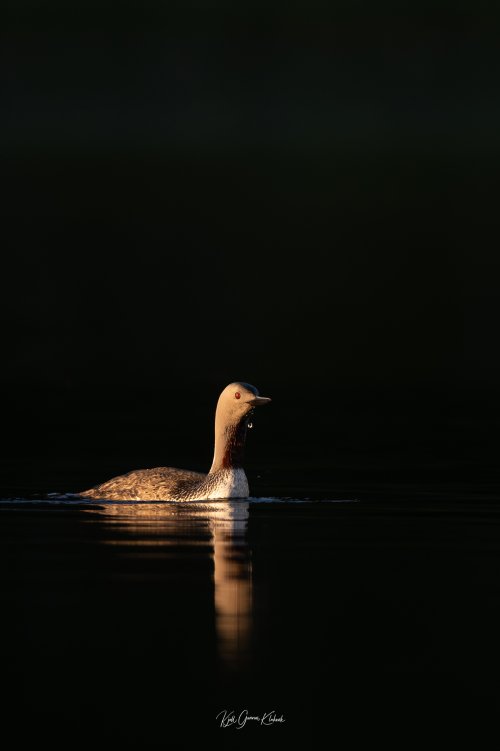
(296, 195)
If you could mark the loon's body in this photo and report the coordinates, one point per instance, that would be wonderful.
(169, 483)
(226, 478)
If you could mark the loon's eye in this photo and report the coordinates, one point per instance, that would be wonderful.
(237, 395)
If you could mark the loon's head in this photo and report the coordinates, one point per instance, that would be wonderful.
(237, 400)
(231, 421)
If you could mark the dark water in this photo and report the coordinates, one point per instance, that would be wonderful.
(371, 619)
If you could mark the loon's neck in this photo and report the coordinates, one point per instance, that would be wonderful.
(229, 445)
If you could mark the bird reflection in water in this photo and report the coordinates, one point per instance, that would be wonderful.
(165, 525)
(233, 581)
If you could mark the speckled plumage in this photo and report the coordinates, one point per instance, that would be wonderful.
(226, 478)
(169, 483)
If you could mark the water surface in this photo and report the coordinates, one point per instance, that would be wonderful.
(141, 622)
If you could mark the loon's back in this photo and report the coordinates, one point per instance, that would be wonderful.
(158, 484)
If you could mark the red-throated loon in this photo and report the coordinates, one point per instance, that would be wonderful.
(226, 478)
